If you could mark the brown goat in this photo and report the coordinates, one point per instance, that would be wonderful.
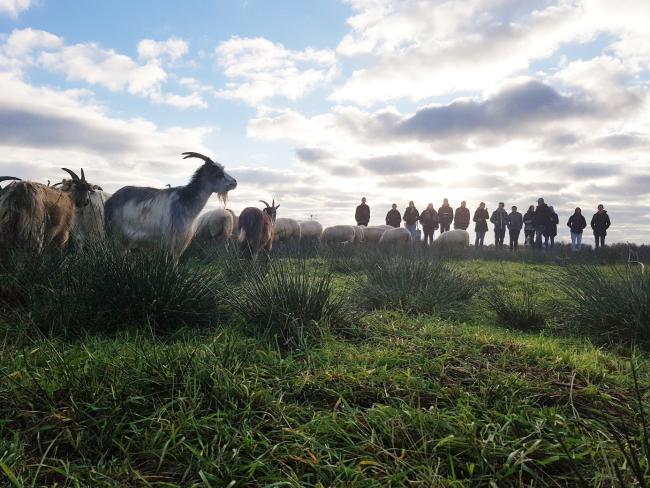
(34, 216)
(256, 230)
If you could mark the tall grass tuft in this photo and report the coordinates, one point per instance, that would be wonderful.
(519, 308)
(612, 304)
(102, 287)
(415, 285)
(291, 301)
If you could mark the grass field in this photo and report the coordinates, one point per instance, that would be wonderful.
(344, 368)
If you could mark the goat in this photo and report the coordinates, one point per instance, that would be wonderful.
(286, 230)
(34, 216)
(215, 226)
(7, 178)
(143, 217)
(256, 230)
(235, 221)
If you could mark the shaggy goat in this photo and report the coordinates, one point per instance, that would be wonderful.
(256, 230)
(392, 237)
(338, 234)
(34, 216)
(286, 230)
(215, 226)
(143, 217)
(7, 178)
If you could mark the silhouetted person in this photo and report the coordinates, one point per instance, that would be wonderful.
(393, 217)
(500, 220)
(362, 215)
(551, 228)
(445, 216)
(541, 220)
(600, 223)
(576, 223)
(529, 227)
(411, 217)
(481, 217)
(462, 217)
(515, 223)
(429, 221)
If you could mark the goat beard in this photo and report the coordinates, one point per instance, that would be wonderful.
(223, 197)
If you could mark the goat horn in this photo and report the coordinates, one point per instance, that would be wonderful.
(196, 155)
(56, 184)
(83, 176)
(72, 174)
(5, 178)
(265, 203)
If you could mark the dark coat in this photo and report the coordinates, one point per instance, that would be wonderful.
(542, 215)
(362, 215)
(411, 215)
(577, 223)
(461, 218)
(429, 219)
(481, 217)
(529, 220)
(499, 218)
(446, 214)
(515, 221)
(600, 223)
(394, 218)
(550, 230)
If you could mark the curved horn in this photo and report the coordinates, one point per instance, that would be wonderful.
(196, 155)
(5, 178)
(265, 203)
(97, 187)
(72, 174)
(83, 176)
(56, 184)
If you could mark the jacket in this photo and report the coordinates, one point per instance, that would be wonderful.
(499, 218)
(362, 215)
(542, 215)
(461, 218)
(446, 214)
(393, 218)
(529, 219)
(577, 223)
(480, 217)
(429, 219)
(515, 221)
(600, 223)
(411, 215)
(550, 230)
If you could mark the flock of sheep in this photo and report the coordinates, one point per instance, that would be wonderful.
(35, 217)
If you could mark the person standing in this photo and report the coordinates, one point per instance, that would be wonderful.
(445, 216)
(411, 217)
(551, 229)
(393, 217)
(461, 217)
(515, 223)
(576, 223)
(600, 223)
(500, 220)
(541, 220)
(481, 216)
(529, 227)
(362, 214)
(429, 221)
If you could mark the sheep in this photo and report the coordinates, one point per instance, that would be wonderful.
(358, 233)
(456, 238)
(338, 234)
(310, 230)
(286, 230)
(142, 217)
(256, 230)
(35, 217)
(215, 226)
(395, 236)
(374, 233)
(235, 222)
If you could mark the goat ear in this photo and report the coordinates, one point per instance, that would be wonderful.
(277, 207)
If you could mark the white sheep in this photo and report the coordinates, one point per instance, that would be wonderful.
(358, 233)
(374, 233)
(286, 230)
(456, 238)
(310, 230)
(338, 234)
(215, 226)
(395, 236)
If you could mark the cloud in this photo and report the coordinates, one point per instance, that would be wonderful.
(258, 69)
(170, 50)
(403, 164)
(14, 7)
(313, 154)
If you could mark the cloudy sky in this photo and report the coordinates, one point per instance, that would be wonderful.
(318, 103)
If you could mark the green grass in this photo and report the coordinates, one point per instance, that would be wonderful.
(434, 399)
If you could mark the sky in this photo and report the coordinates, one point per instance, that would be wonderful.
(316, 104)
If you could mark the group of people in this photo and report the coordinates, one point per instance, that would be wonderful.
(538, 223)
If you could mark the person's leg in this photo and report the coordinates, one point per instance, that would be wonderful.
(596, 238)
(578, 241)
(539, 232)
(552, 241)
(476, 240)
(574, 239)
(517, 239)
(502, 236)
(482, 237)
(602, 240)
(512, 240)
